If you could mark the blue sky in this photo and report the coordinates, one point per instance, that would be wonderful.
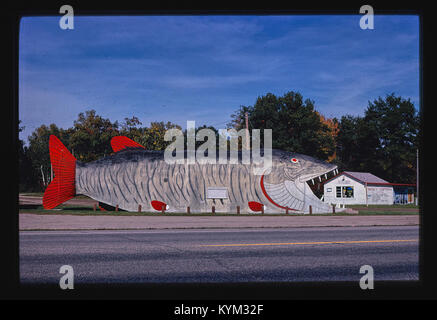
(202, 68)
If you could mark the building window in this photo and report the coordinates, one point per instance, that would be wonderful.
(328, 189)
(348, 192)
(344, 192)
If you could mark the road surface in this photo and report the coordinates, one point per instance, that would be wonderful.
(220, 255)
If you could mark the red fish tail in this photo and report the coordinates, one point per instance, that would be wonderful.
(62, 188)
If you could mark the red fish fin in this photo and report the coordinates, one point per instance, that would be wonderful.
(62, 188)
(121, 142)
(158, 205)
(255, 206)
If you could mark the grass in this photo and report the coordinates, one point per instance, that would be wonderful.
(396, 209)
(381, 212)
(382, 206)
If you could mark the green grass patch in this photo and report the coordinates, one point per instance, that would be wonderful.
(381, 212)
(381, 206)
(396, 209)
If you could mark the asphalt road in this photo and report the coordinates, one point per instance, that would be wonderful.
(233, 255)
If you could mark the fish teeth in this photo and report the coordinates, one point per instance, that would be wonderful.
(323, 176)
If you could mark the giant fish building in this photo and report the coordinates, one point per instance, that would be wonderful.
(137, 179)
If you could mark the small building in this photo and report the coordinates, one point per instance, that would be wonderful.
(365, 188)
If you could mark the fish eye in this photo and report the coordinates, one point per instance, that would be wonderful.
(294, 160)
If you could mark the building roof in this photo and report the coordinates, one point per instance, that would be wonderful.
(365, 177)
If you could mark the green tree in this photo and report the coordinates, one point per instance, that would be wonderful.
(199, 143)
(131, 129)
(396, 122)
(90, 137)
(383, 142)
(28, 179)
(153, 137)
(296, 125)
(358, 146)
(38, 151)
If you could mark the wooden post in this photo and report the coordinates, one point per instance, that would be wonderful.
(286, 211)
(262, 210)
(139, 208)
(94, 207)
(163, 209)
(311, 210)
(188, 210)
(333, 209)
(238, 209)
(116, 207)
(213, 209)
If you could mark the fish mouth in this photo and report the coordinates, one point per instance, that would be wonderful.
(297, 195)
(320, 176)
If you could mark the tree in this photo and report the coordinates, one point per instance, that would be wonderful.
(295, 124)
(28, 179)
(333, 131)
(357, 145)
(201, 142)
(130, 128)
(383, 142)
(153, 137)
(90, 137)
(397, 124)
(38, 151)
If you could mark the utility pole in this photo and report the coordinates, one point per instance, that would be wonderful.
(367, 203)
(247, 131)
